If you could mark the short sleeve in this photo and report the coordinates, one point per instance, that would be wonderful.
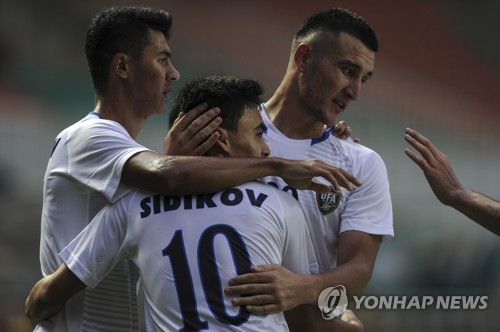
(97, 151)
(100, 246)
(369, 208)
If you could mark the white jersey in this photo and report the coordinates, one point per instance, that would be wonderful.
(82, 176)
(187, 248)
(367, 209)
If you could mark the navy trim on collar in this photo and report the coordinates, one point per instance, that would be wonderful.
(95, 113)
(325, 136)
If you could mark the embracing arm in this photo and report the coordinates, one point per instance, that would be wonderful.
(50, 294)
(187, 175)
(446, 186)
(276, 289)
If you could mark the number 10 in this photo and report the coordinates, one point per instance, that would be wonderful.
(209, 275)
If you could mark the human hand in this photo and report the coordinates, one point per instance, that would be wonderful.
(193, 133)
(353, 322)
(267, 289)
(436, 166)
(344, 131)
(299, 174)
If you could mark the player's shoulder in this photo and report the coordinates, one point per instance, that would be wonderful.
(92, 125)
(356, 151)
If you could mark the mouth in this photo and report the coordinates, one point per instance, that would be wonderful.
(340, 104)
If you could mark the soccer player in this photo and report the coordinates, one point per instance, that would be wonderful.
(332, 56)
(446, 186)
(97, 161)
(187, 247)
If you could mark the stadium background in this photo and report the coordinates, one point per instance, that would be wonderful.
(437, 71)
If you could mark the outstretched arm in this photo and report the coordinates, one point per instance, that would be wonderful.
(446, 186)
(50, 294)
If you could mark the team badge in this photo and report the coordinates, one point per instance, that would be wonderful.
(327, 203)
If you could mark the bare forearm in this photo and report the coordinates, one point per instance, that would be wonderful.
(50, 294)
(478, 207)
(176, 176)
(38, 306)
(188, 175)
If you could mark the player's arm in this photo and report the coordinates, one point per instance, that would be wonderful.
(171, 175)
(446, 186)
(273, 288)
(50, 294)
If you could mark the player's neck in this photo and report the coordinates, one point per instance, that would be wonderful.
(123, 113)
(292, 119)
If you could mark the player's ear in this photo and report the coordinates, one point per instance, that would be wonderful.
(301, 55)
(222, 144)
(120, 65)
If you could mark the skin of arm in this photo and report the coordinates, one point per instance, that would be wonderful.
(177, 176)
(446, 186)
(274, 288)
(50, 294)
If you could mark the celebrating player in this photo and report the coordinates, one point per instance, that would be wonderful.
(332, 56)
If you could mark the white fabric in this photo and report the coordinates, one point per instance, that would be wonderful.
(367, 209)
(159, 232)
(83, 174)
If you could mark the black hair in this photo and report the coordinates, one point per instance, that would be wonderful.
(230, 94)
(337, 20)
(121, 29)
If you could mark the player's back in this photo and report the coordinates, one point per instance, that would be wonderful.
(188, 247)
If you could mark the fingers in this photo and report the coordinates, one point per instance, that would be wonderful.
(202, 148)
(419, 161)
(199, 122)
(342, 130)
(431, 155)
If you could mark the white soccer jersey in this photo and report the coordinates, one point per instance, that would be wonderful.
(82, 176)
(187, 248)
(367, 208)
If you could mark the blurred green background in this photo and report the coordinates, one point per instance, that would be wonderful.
(437, 71)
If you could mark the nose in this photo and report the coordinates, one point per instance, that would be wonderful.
(173, 74)
(266, 150)
(353, 89)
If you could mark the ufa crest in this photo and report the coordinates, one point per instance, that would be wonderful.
(327, 203)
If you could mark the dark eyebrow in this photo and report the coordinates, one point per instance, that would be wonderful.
(166, 53)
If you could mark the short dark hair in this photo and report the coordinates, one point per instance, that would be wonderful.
(230, 94)
(337, 20)
(121, 29)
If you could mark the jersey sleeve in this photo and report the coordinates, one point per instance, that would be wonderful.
(369, 208)
(298, 252)
(97, 151)
(100, 246)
